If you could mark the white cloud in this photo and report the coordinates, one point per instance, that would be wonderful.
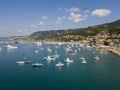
(41, 23)
(36, 26)
(60, 20)
(76, 18)
(33, 26)
(72, 9)
(101, 12)
(44, 17)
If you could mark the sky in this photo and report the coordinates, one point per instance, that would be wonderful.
(23, 17)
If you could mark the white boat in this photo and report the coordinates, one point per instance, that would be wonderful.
(84, 61)
(60, 43)
(20, 62)
(49, 58)
(59, 64)
(38, 43)
(68, 60)
(11, 47)
(37, 64)
(82, 58)
(49, 49)
(81, 45)
(88, 47)
(36, 51)
(69, 50)
(0, 49)
(27, 62)
(96, 57)
(56, 55)
(79, 49)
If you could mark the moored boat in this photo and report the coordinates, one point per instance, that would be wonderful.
(69, 60)
(11, 47)
(84, 61)
(20, 62)
(49, 58)
(96, 57)
(59, 64)
(37, 64)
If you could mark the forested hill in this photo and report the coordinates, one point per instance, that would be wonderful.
(112, 28)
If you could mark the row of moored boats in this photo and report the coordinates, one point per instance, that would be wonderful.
(59, 64)
(51, 58)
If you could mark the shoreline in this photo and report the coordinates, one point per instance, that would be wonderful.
(114, 52)
(99, 47)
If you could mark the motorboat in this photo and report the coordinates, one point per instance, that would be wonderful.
(84, 61)
(37, 64)
(36, 51)
(27, 62)
(59, 64)
(96, 57)
(49, 58)
(69, 60)
(11, 47)
(20, 62)
(38, 43)
(56, 55)
(49, 49)
(69, 50)
(82, 58)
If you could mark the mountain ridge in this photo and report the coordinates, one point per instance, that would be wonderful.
(81, 33)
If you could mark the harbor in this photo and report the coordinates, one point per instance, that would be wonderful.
(33, 66)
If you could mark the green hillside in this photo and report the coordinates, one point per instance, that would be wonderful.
(112, 28)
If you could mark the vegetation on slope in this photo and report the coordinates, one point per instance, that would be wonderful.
(79, 33)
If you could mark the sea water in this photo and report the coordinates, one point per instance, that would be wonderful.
(102, 74)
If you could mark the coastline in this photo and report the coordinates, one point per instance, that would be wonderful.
(117, 52)
(99, 47)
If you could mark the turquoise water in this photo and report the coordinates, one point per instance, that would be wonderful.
(103, 74)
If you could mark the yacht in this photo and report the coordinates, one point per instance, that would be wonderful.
(27, 62)
(49, 58)
(38, 43)
(96, 57)
(68, 60)
(0, 49)
(79, 49)
(69, 50)
(59, 64)
(11, 47)
(56, 55)
(49, 49)
(36, 51)
(82, 58)
(20, 62)
(84, 61)
(37, 64)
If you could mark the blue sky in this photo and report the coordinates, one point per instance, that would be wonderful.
(23, 17)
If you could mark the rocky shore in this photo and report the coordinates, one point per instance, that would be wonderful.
(117, 52)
